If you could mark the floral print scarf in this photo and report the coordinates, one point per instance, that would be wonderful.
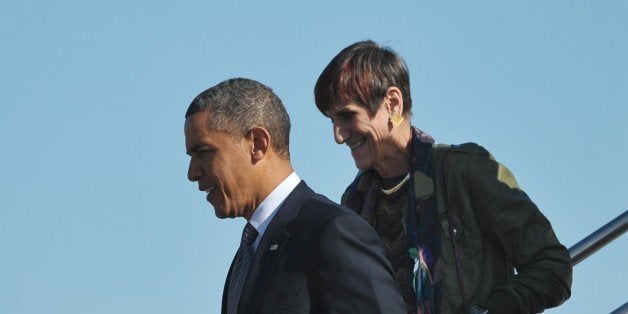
(420, 221)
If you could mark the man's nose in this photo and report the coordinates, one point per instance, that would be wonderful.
(194, 172)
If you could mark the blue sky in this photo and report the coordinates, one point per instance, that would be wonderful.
(96, 213)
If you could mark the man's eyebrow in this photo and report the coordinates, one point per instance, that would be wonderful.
(194, 149)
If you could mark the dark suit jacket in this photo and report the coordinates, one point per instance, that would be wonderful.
(318, 257)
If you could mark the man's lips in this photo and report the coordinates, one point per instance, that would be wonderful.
(207, 189)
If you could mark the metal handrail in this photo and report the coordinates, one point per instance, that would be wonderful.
(621, 310)
(599, 238)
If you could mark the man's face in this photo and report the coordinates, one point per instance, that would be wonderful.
(221, 164)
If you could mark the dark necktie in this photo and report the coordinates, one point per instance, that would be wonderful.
(241, 266)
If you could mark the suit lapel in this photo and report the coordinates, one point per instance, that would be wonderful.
(226, 288)
(270, 248)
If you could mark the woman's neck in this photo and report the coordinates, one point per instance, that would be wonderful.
(395, 159)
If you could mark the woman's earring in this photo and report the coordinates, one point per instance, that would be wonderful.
(396, 118)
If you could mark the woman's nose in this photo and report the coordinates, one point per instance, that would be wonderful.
(340, 134)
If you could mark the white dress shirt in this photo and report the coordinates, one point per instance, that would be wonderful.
(267, 209)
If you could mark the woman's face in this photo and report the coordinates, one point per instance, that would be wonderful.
(363, 133)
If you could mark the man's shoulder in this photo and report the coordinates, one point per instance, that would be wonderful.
(320, 205)
(318, 209)
(306, 203)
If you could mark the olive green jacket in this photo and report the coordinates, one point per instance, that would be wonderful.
(496, 230)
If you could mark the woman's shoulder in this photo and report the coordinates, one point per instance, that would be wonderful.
(464, 148)
(455, 159)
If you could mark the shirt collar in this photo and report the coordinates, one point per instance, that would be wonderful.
(267, 209)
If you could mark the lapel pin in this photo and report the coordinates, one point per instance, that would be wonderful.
(274, 247)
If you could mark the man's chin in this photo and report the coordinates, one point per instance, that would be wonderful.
(221, 214)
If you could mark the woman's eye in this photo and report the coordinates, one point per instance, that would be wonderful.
(346, 116)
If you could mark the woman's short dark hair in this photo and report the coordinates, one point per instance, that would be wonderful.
(361, 73)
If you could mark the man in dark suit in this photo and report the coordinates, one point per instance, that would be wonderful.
(300, 252)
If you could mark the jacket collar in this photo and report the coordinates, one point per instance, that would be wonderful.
(270, 248)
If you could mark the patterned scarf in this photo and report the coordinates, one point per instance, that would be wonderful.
(421, 223)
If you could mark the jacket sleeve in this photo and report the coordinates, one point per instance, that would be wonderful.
(507, 214)
(354, 274)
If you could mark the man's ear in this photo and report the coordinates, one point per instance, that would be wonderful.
(394, 100)
(260, 138)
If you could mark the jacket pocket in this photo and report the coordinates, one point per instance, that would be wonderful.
(467, 240)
